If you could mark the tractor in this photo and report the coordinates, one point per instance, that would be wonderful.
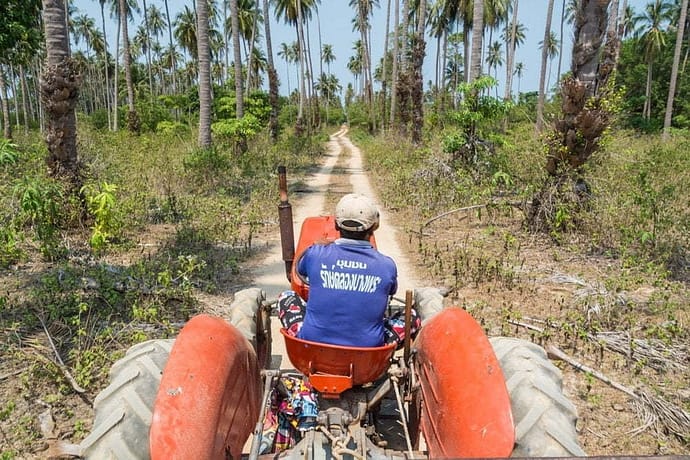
(449, 393)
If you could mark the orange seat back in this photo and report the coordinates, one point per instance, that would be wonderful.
(332, 369)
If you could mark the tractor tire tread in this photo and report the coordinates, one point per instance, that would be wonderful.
(123, 409)
(545, 419)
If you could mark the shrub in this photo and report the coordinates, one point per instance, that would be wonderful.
(170, 128)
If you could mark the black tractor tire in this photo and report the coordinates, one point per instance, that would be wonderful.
(544, 417)
(124, 408)
(253, 321)
(428, 301)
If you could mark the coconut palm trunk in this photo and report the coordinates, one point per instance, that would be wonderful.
(59, 94)
(132, 117)
(148, 46)
(674, 69)
(204, 55)
(396, 63)
(584, 118)
(418, 52)
(105, 64)
(173, 69)
(510, 55)
(25, 97)
(384, 67)
(477, 32)
(542, 74)
(235, 25)
(302, 90)
(272, 77)
(116, 77)
(6, 123)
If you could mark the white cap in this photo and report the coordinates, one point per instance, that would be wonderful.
(356, 213)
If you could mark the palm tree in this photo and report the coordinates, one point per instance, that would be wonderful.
(396, 63)
(59, 94)
(519, 69)
(674, 68)
(204, 55)
(653, 40)
(105, 60)
(494, 59)
(551, 52)
(132, 117)
(185, 31)
(285, 52)
(567, 16)
(354, 65)
(173, 62)
(477, 32)
(542, 74)
(327, 56)
(272, 77)
(363, 9)
(512, 40)
(454, 72)
(418, 52)
(439, 24)
(294, 12)
(239, 99)
(495, 14)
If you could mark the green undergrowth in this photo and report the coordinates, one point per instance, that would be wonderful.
(157, 223)
(636, 222)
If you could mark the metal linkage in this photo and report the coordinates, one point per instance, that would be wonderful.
(269, 377)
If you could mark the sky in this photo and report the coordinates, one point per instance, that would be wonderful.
(335, 23)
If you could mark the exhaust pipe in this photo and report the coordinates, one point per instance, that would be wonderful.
(287, 234)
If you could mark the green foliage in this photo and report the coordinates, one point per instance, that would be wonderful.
(10, 252)
(170, 128)
(8, 152)
(40, 200)
(477, 110)
(287, 115)
(632, 77)
(203, 163)
(101, 203)
(237, 130)
(474, 140)
(257, 105)
(357, 115)
(99, 119)
(20, 29)
(151, 113)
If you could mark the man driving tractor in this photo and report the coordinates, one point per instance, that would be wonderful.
(350, 285)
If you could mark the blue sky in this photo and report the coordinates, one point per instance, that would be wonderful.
(335, 20)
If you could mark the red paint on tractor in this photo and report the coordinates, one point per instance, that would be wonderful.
(209, 397)
(466, 409)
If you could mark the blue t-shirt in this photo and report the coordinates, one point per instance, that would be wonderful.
(349, 285)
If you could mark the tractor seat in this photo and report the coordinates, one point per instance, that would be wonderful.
(332, 369)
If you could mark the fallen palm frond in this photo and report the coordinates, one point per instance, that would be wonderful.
(654, 353)
(655, 412)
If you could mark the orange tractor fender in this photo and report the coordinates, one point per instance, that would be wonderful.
(212, 380)
(466, 407)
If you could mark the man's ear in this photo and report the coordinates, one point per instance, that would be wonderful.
(374, 227)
